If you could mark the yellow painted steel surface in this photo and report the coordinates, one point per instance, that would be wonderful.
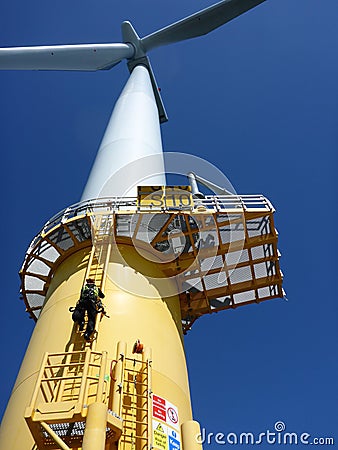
(95, 427)
(222, 250)
(116, 243)
(191, 435)
(156, 322)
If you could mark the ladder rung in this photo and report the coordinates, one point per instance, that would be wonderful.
(128, 414)
(133, 437)
(138, 435)
(139, 410)
(134, 370)
(142, 405)
(137, 403)
(139, 383)
(139, 396)
(139, 422)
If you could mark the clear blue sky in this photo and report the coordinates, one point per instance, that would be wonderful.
(259, 99)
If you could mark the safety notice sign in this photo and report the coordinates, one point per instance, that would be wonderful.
(159, 408)
(165, 437)
(172, 415)
(160, 435)
(165, 411)
(174, 439)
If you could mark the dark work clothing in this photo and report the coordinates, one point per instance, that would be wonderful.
(83, 305)
(91, 315)
(78, 316)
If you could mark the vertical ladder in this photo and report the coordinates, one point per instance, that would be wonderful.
(136, 404)
(102, 238)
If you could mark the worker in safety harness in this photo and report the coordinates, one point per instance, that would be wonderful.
(89, 302)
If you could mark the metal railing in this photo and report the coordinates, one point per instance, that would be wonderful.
(230, 218)
(115, 204)
(74, 377)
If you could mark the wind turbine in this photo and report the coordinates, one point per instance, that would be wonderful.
(93, 57)
(164, 256)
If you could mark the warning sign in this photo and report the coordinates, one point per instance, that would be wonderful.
(160, 435)
(165, 411)
(159, 409)
(172, 415)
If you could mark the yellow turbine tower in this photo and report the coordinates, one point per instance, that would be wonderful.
(162, 255)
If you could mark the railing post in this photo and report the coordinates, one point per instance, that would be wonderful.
(99, 393)
(118, 378)
(146, 385)
(38, 381)
(84, 377)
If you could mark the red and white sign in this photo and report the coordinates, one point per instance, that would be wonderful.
(159, 409)
(165, 411)
(172, 415)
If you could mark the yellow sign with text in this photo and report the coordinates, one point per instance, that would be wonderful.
(160, 436)
(159, 197)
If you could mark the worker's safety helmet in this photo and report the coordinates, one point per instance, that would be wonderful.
(90, 280)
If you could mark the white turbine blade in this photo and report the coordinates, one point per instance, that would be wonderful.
(199, 23)
(64, 57)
